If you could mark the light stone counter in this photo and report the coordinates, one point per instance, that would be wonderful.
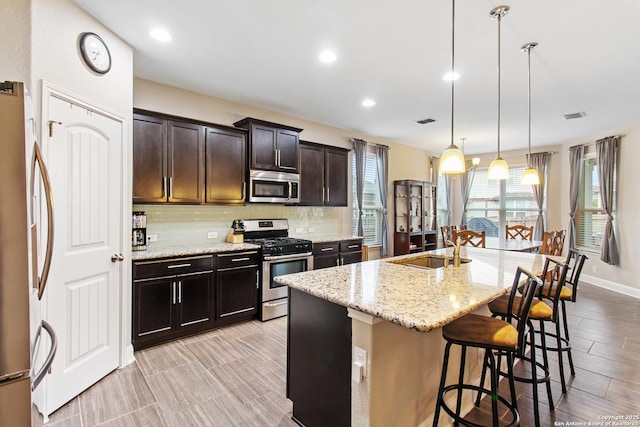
(164, 251)
(391, 306)
(416, 298)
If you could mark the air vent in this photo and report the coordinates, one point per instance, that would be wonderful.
(425, 121)
(575, 115)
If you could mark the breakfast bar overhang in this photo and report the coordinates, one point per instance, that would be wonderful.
(392, 309)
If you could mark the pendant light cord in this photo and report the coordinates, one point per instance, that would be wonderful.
(529, 98)
(499, 20)
(453, 35)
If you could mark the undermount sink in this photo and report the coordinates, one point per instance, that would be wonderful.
(428, 261)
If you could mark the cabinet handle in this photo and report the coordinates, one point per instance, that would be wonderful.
(240, 259)
(338, 260)
(164, 187)
(180, 292)
(244, 191)
(178, 265)
(257, 279)
(174, 292)
(328, 194)
(277, 157)
(326, 249)
(170, 187)
(352, 246)
(323, 194)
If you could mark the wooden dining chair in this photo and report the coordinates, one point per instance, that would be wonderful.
(447, 234)
(470, 237)
(519, 232)
(553, 242)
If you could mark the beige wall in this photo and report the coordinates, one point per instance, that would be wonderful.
(623, 277)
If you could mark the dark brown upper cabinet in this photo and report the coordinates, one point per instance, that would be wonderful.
(225, 166)
(272, 146)
(168, 161)
(183, 161)
(324, 175)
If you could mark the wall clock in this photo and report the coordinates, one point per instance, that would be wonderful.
(95, 53)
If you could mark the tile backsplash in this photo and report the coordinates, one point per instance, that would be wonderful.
(184, 224)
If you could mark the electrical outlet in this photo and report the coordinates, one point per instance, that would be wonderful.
(360, 357)
(594, 269)
(298, 230)
(311, 230)
(212, 235)
(152, 237)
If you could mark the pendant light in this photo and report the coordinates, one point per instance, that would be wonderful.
(498, 169)
(452, 159)
(530, 175)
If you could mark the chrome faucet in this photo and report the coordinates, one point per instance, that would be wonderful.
(456, 251)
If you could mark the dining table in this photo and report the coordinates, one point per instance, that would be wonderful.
(515, 245)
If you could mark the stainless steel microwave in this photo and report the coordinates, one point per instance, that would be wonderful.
(274, 187)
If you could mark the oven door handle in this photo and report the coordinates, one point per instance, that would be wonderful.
(285, 257)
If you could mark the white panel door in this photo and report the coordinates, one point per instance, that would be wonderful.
(84, 155)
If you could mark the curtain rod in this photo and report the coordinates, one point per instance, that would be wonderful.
(369, 143)
(588, 144)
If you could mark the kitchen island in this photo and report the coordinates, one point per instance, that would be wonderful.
(394, 313)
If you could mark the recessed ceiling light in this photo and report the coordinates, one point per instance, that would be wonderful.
(451, 76)
(327, 56)
(368, 103)
(160, 35)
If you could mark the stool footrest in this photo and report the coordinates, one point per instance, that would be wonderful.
(460, 387)
(565, 345)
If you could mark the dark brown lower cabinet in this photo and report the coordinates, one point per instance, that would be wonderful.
(318, 361)
(237, 282)
(332, 254)
(171, 298)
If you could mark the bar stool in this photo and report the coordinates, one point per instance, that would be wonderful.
(553, 275)
(492, 335)
(568, 292)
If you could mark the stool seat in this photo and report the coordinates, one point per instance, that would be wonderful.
(482, 331)
(539, 310)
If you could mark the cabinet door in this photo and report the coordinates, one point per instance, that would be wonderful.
(237, 291)
(287, 144)
(325, 261)
(153, 309)
(149, 159)
(263, 147)
(225, 167)
(311, 175)
(336, 176)
(186, 162)
(194, 300)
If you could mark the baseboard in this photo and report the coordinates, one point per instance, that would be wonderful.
(610, 285)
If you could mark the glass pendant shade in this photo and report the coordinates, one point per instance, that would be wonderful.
(530, 177)
(452, 160)
(498, 169)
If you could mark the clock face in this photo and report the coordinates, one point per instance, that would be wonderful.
(95, 53)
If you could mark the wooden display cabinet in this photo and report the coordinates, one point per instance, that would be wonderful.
(414, 216)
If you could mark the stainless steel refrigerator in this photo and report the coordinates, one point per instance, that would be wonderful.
(26, 353)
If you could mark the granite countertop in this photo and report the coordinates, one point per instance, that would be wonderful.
(417, 298)
(163, 251)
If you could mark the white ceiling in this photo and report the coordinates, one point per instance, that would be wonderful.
(265, 53)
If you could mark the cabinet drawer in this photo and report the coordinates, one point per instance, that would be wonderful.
(326, 248)
(172, 267)
(351, 246)
(238, 259)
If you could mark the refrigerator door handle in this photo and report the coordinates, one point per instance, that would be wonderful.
(41, 279)
(38, 377)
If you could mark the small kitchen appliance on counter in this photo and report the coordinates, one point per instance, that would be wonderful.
(281, 255)
(139, 232)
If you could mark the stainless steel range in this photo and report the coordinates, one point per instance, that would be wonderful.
(281, 255)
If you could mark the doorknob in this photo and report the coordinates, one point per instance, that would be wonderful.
(117, 257)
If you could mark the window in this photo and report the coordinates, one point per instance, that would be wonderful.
(371, 204)
(590, 215)
(494, 204)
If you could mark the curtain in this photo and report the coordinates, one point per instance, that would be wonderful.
(382, 166)
(359, 149)
(465, 191)
(575, 163)
(540, 162)
(606, 150)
